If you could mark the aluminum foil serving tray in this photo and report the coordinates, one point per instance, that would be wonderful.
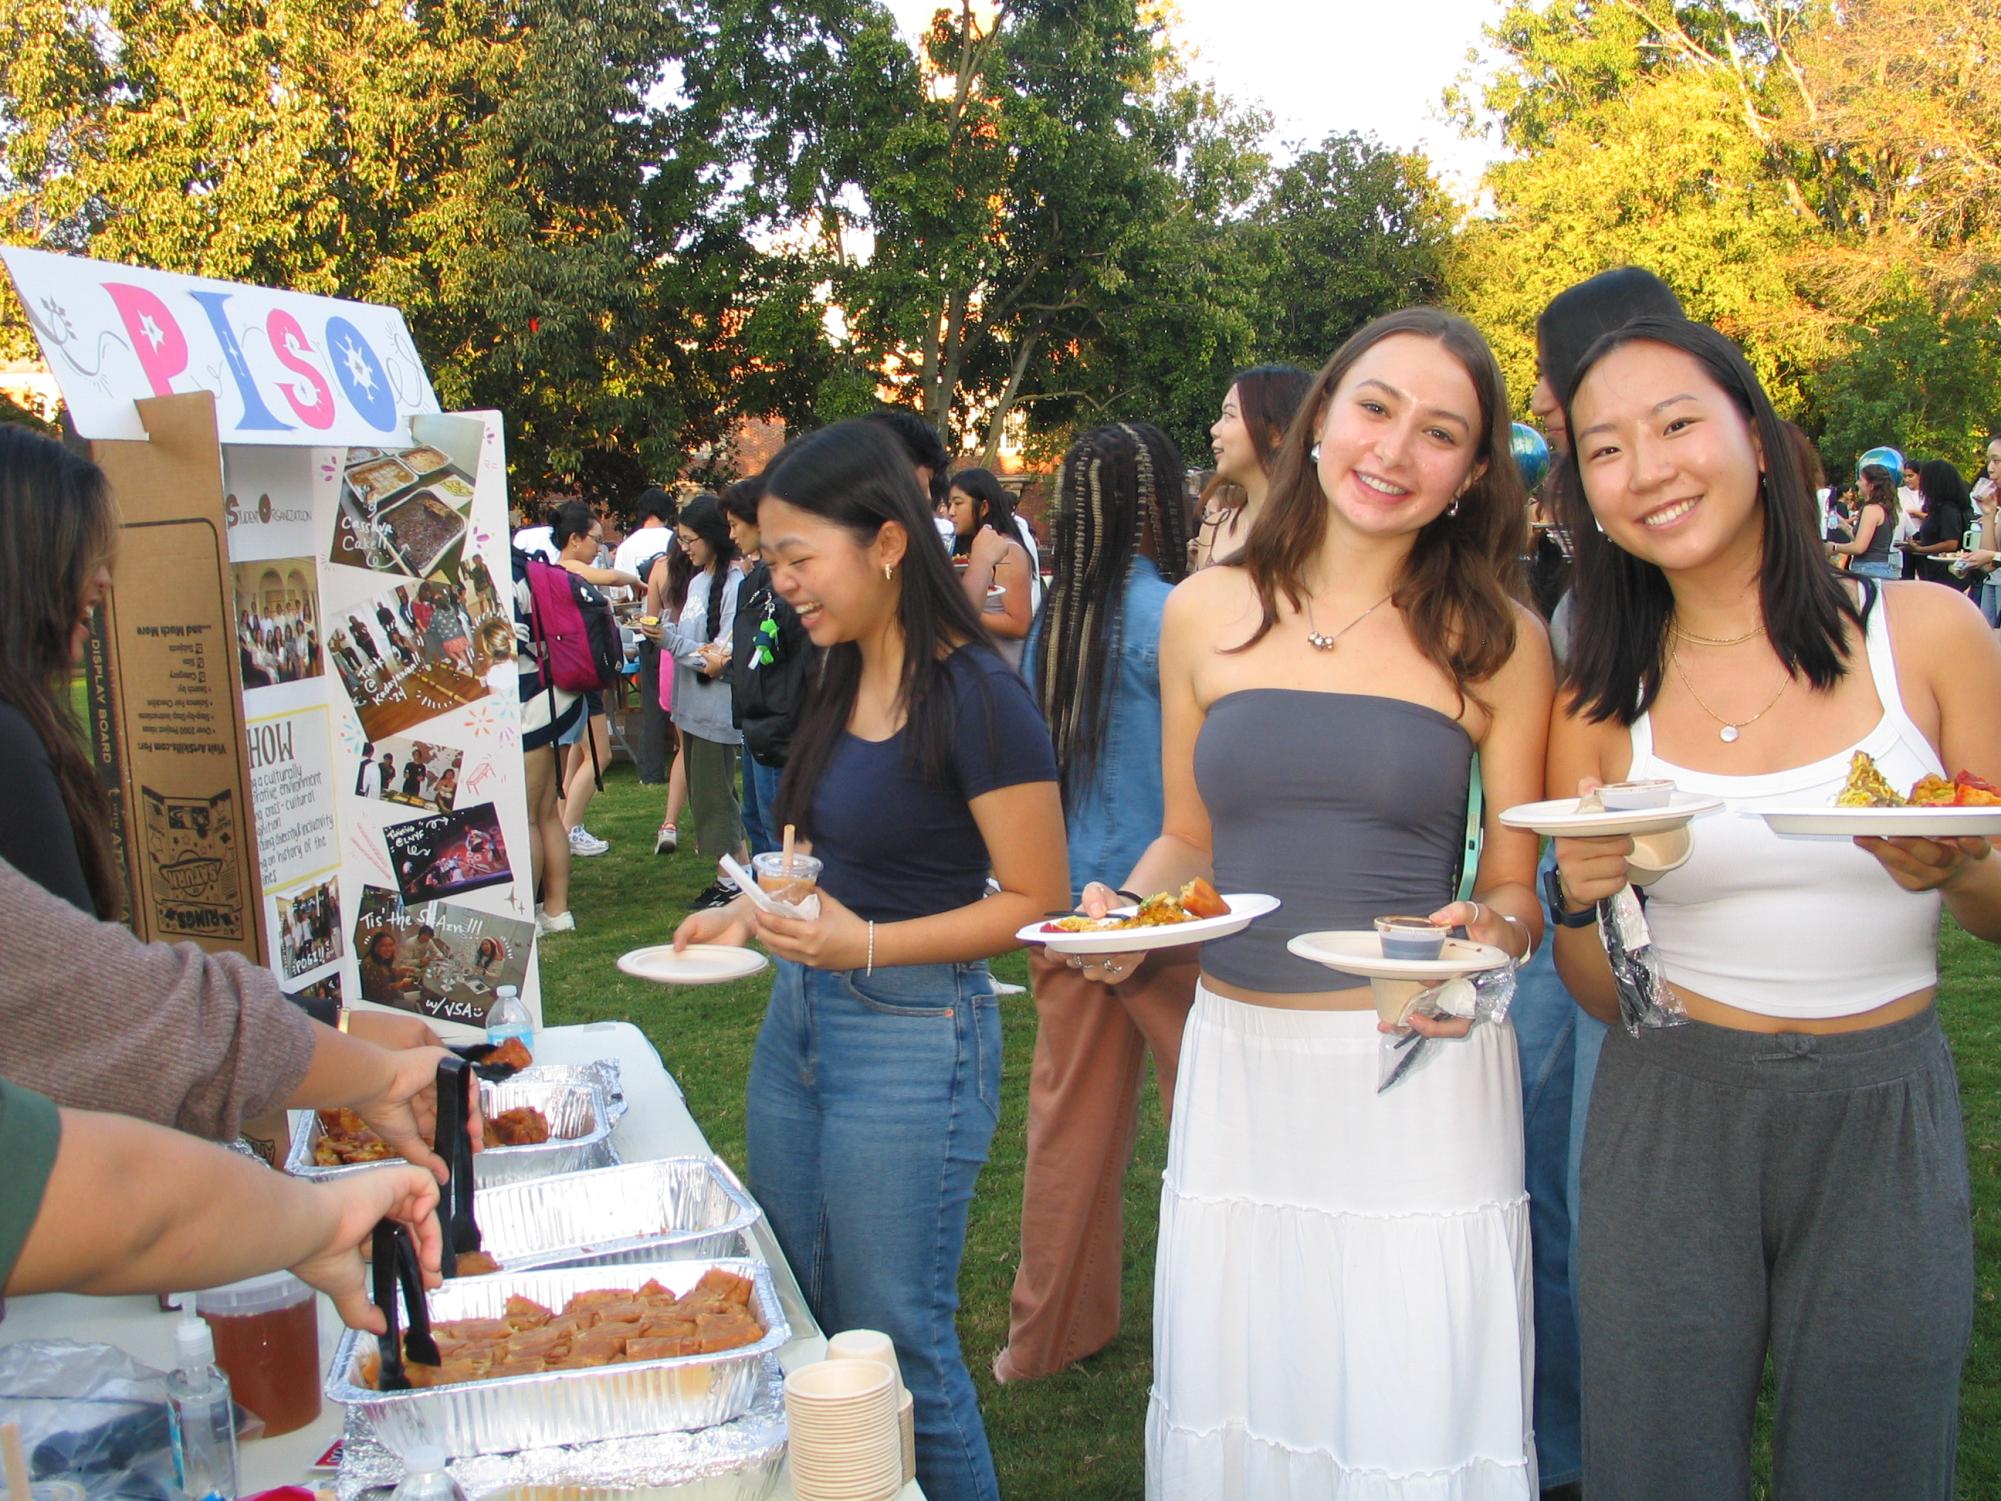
(566, 1407)
(581, 1119)
(673, 1208)
(735, 1461)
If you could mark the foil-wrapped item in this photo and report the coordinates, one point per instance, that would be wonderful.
(672, 1208)
(630, 1399)
(740, 1460)
(580, 1116)
(1645, 997)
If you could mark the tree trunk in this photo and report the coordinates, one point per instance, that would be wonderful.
(1017, 371)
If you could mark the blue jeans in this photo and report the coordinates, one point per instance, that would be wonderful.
(760, 799)
(873, 1099)
(1546, 1020)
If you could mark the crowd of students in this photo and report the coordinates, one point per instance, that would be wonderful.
(1558, 1253)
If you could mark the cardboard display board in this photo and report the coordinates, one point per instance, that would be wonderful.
(302, 688)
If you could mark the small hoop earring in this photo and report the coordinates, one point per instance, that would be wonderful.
(888, 572)
(1313, 454)
(1453, 509)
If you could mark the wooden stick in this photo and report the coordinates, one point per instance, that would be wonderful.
(790, 834)
(16, 1462)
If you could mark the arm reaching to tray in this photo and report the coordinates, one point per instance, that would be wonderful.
(107, 1205)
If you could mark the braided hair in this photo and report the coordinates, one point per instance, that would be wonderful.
(1118, 486)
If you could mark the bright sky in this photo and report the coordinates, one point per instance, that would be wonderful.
(1341, 65)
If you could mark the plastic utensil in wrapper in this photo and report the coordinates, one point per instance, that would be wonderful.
(1483, 997)
(1645, 997)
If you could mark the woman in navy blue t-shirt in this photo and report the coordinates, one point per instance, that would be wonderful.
(921, 763)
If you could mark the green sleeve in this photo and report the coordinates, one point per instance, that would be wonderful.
(29, 1131)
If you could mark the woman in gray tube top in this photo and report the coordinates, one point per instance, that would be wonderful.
(1341, 1296)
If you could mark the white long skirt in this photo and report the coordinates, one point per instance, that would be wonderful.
(1342, 1293)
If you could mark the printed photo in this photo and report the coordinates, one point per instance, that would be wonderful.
(308, 928)
(278, 621)
(415, 652)
(320, 999)
(447, 853)
(437, 959)
(403, 510)
(414, 773)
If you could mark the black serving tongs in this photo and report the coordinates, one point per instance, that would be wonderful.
(396, 1262)
(456, 1097)
(477, 1053)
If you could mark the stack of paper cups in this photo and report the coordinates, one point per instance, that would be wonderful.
(842, 1415)
(872, 1344)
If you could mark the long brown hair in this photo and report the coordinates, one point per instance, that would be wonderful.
(57, 526)
(1463, 573)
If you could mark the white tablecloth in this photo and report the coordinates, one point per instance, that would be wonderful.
(657, 1124)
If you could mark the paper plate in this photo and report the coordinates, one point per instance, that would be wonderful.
(1559, 816)
(1358, 951)
(1245, 908)
(1888, 823)
(697, 964)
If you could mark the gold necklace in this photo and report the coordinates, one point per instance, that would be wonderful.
(1319, 642)
(1731, 728)
(1756, 630)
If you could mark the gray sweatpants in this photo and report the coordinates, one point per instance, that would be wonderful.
(1806, 1193)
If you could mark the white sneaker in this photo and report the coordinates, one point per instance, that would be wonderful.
(584, 842)
(562, 922)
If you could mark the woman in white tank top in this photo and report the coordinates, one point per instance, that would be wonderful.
(1785, 1171)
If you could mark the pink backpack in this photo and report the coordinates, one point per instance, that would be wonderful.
(574, 626)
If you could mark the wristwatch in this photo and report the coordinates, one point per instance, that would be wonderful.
(1559, 909)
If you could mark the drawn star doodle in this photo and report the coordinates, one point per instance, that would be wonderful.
(480, 721)
(357, 368)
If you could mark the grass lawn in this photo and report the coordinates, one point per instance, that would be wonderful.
(1079, 1434)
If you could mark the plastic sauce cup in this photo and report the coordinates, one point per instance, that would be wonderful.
(267, 1341)
(1410, 937)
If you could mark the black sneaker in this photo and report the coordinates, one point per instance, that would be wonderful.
(715, 894)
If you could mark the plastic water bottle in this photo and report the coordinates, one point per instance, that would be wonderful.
(425, 1477)
(509, 1017)
(201, 1420)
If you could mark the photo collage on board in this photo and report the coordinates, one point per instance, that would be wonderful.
(436, 958)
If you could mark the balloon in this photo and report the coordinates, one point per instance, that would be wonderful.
(1889, 458)
(1531, 451)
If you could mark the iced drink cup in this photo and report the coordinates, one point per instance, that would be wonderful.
(788, 883)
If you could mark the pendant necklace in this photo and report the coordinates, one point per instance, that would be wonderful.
(1731, 728)
(1320, 642)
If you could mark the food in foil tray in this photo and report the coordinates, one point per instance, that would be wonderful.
(345, 1140)
(425, 460)
(605, 1326)
(377, 478)
(423, 527)
(1868, 788)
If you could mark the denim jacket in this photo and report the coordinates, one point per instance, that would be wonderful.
(1117, 815)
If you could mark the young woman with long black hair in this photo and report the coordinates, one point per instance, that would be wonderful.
(1786, 1170)
(1094, 667)
(698, 639)
(982, 515)
(58, 533)
(1341, 1295)
(1244, 441)
(919, 765)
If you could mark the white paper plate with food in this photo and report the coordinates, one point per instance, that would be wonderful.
(1959, 807)
(1562, 817)
(1359, 951)
(1885, 823)
(1163, 921)
(697, 964)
